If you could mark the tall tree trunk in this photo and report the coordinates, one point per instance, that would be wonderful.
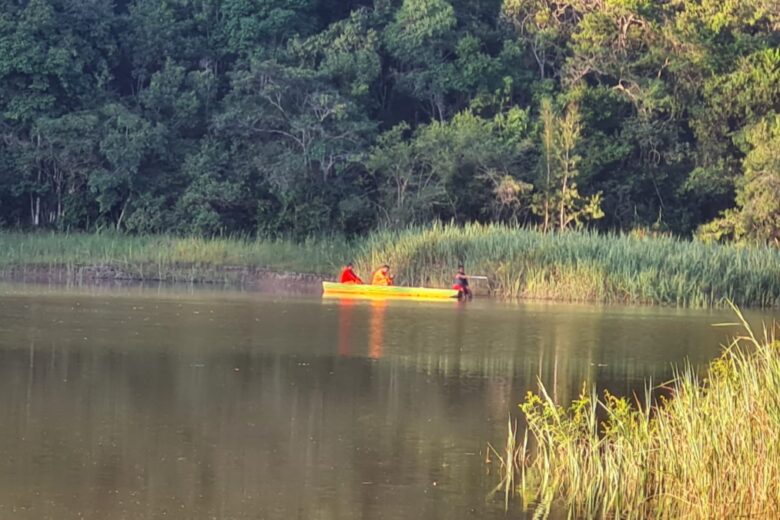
(122, 214)
(562, 214)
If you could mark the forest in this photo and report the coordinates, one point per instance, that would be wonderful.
(300, 118)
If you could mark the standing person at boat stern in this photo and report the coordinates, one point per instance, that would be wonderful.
(461, 282)
(349, 276)
(382, 276)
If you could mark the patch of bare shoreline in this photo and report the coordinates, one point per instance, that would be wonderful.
(266, 280)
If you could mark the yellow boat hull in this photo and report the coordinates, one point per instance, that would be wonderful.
(393, 291)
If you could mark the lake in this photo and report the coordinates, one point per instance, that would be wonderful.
(181, 402)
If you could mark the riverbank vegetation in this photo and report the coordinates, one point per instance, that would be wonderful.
(167, 257)
(300, 118)
(709, 450)
(584, 266)
(518, 262)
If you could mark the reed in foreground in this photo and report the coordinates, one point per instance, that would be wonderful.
(711, 450)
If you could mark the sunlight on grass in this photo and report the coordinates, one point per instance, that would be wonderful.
(523, 263)
(709, 450)
(519, 263)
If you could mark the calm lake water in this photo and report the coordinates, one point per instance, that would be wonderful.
(189, 403)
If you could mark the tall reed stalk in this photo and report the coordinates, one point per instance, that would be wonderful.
(711, 450)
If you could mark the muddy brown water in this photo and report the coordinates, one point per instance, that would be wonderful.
(187, 403)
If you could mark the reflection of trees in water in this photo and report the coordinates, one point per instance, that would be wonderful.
(565, 358)
(346, 310)
(270, 435)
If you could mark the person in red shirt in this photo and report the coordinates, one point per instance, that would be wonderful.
(349, 276)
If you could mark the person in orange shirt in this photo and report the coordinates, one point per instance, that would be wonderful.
(349, 276)
(382, 276)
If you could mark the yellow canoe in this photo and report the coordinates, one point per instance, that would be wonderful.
(393, 291)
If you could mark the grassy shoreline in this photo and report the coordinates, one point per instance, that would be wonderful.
(587, 266)
(166, 258)
(709, 450)
(519, 263)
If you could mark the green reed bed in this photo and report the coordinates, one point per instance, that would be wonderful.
(710, 450)
(580, 266)
(167, 257)
(519, 263)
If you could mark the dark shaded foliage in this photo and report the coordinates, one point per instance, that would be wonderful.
(301, 117)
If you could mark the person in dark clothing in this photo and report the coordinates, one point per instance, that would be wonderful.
(461, 282)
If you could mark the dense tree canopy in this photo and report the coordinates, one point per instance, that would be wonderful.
(298, 117)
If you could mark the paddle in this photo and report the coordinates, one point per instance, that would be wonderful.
(475, 277)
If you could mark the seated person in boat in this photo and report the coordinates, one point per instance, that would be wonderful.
(382, 276)
(349, 276)
(461, 282)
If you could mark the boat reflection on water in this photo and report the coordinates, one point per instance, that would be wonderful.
(352, 314)
(376, 331)
(376, 326)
